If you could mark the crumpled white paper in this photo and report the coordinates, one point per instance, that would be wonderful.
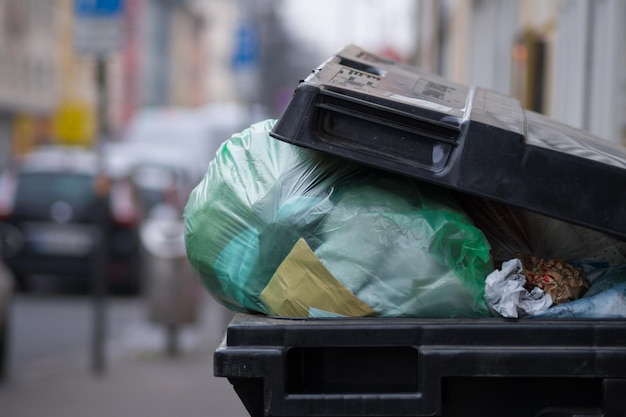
(506, 295)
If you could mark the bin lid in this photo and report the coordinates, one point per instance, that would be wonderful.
(392, 116)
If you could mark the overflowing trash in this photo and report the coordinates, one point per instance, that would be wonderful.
(277, 229)
(527, 285)
(546, 267)
(282, 230)
(507, 294)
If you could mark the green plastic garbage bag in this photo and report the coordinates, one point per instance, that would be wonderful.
(278, 229)
(400, 247)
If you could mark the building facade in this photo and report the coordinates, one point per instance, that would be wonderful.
(561, 58)
(49, 92)
(29, 73)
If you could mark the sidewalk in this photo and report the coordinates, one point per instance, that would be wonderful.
(139, 379)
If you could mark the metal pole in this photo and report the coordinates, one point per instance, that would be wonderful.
(99, 275)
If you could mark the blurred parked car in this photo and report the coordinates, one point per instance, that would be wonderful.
(49, 208)
(6, 293)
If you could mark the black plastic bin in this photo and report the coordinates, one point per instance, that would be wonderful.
(367, 109)
(420, 367)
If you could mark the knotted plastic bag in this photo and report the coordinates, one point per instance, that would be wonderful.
(278, 229)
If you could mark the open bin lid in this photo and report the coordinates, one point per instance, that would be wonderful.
(394, 117)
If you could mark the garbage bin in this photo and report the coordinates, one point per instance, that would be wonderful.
(479, 143)
(171, 284)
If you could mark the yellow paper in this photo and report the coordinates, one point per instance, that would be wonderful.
(302, 281)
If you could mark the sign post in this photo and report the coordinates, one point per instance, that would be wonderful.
(99, 33)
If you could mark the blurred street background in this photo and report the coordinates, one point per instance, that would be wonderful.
(100, 314)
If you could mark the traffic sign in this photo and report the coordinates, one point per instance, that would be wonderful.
(246, 52)
(74, 124)
(99, 28)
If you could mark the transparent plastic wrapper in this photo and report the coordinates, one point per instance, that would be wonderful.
(588, 249)
(511, 230)
(505, 226)
(282, 230)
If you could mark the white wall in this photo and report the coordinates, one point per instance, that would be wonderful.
(493, 33)
(585, 81)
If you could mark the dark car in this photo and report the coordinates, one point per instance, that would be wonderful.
(50, 211)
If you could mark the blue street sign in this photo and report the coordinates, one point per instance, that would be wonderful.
(246, 54)
(101, 8)
(99, 28)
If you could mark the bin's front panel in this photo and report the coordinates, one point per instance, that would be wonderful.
(415, 367)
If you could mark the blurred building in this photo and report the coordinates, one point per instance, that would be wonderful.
(48, 90)
(252, 55)
(29, 72)
(162, 62)
(221, 20)
(561, 58)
